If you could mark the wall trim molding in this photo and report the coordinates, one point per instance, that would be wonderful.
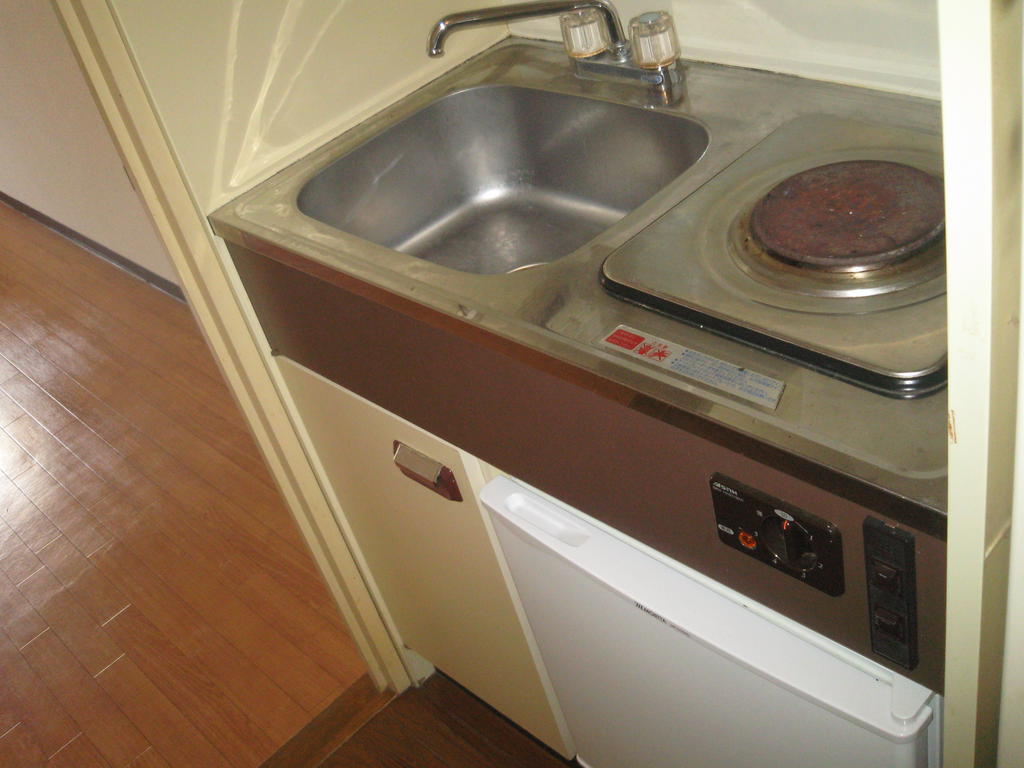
(137, 270)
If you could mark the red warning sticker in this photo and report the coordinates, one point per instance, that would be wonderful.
(623, 338)
(699, 366)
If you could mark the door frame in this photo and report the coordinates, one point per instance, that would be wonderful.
(222, 310)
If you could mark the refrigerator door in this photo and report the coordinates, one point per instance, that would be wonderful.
(655, 666)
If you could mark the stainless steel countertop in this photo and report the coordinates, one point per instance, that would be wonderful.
(561, 309)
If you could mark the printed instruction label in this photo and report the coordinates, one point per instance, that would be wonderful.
(741, 382)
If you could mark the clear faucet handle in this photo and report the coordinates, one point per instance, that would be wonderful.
(584, 33)
(653, 36)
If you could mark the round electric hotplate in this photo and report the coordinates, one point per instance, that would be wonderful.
(850, 216)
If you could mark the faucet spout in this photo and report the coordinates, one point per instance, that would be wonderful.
(520, 11)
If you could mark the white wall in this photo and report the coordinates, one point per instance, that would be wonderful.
(55, 153)
(246, 86)
(887, 44)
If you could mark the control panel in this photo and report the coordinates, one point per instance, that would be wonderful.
(892, 591)
(788, 539)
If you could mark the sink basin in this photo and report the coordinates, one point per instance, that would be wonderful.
(492, 179)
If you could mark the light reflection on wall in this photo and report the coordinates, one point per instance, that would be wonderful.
(246, 86)
(887, 44)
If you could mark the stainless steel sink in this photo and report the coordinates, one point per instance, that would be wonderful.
(492, 179)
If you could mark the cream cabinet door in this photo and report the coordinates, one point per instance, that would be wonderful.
(433, 561)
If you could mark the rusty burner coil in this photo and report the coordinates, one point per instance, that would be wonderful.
(850, 216)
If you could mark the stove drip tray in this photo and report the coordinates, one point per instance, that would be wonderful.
(823, 244)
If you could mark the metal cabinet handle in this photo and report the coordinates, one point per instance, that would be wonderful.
(426, 471)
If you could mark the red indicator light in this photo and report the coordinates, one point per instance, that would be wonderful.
(747, 540)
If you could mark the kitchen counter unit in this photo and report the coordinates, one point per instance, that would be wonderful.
(515, 368)
(560, 309)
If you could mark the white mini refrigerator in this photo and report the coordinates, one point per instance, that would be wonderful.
(657, 666)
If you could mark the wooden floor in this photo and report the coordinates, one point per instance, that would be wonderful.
(439, 725)
(157, 605)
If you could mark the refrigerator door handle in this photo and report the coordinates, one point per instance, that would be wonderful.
(530, 511)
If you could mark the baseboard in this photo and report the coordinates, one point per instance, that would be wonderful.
(161, 283)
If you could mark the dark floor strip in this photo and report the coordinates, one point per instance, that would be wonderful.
(441, 725)
(332, 727)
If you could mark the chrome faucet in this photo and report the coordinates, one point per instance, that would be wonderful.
(519, 11)
(615, 61)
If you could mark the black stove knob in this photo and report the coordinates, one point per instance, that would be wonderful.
(789, 542)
